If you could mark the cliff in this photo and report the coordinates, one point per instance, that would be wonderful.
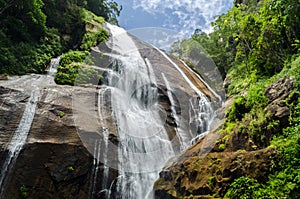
(207, 168)
(64, 141)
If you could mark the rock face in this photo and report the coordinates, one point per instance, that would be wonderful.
(12, 106)
(71, 147)
(54, 163)
(204, 169)
(277, 93)
(50, 170)
(66, 152)
(200, 171)
(201, 176)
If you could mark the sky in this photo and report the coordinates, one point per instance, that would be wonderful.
(153, 20)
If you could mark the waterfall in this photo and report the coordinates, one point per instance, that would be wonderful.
(218, 97)
(19, 137)
(201, 112)
(174, 114)
(95, 171)
(54, 63)
(142, 136)
(144, 145)
(101, 110)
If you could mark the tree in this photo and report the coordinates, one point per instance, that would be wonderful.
(109, 10)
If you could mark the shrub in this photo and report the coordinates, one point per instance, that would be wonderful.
(72, 71)
(243, 188)
(238, 109)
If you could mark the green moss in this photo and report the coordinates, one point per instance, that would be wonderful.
(243, 188)
(73, 71)
(61, 114)
(283, 183)
(94, 32)
(238, 109)
(221, 147)
(73, 56)
(211, 180)
(24, 191)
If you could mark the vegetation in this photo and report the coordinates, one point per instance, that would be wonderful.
(254, 39)
(24, 192)
(61, 114)
(34, 31)
(72, 69)
(254, 45)
(71, 168)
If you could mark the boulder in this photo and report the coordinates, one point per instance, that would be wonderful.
(277, 93)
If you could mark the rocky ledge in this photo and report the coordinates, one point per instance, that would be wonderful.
(54, 162)
(206, 171)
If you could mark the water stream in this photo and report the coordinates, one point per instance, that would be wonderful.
(144, 146)
(142, 136)
(33, 83)
(53, 66)
(179, 132)
(201, 112)
(19, 137)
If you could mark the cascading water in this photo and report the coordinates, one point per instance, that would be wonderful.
(174, 114)
(33, 83)
(53, 66)
(102, 109)
(218, 97)
(142, 136)
(19, 137)
(143, 143)
(201, 113)
(95, 168)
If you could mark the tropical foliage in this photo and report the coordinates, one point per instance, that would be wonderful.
(253, 45)
(34, 31)
(256, 38)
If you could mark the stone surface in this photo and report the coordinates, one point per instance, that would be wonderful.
(204, 169)
(54, 162)
(12, 105)
(57, 160)
(201, 171)
(50, 170)
(277, 93)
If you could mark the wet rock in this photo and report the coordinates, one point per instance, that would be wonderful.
(12, 105)
(54, 162)
(58, 158)
(49, 173)
(3, 77)
(204, 170)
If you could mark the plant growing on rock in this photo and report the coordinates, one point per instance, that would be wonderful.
(24, 191)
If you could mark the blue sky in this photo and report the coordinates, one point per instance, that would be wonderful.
(181, 17)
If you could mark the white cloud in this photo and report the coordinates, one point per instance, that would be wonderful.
(191, 14)
(159, 37)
